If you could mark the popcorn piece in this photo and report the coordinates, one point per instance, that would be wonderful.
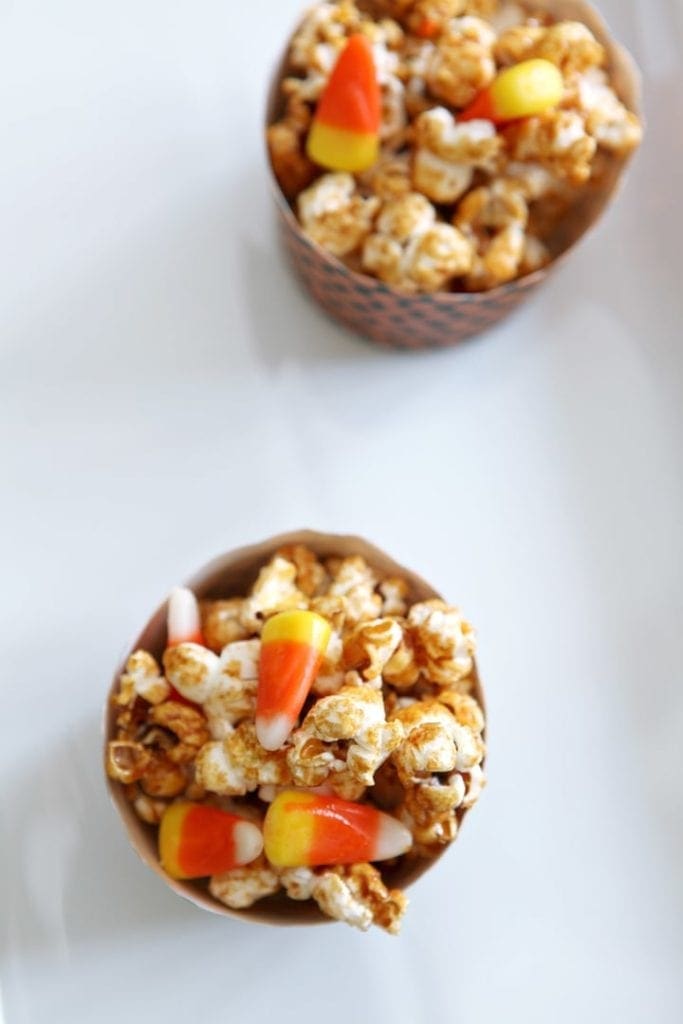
(411, 251)
(394, 591)
(274, 591)
(322, 36)
(447, 154)
(498, 260)
(426, 18)
(535, 255)
(371, 645)
(492, 208)
(389, 178)
(127, 761)
(331, 675)
(462, 64)
(357, 895)
(235, 701)
(354, 580)
(612, 125)
(299, 883)
(188, 724)
(443, 740)
(534, 181)
(222, 622)
(334, 216)
(148, 810)
(162, 777)
(444, 641)
(435, 742)
(142, 678)
(310, 761)
(464, 709)
(558, 141)
(517, 43)
(311, 578)
(238, 764)
(394, 118)
(355, 714)
(242, 887)
(475, 780)
(402, 670)
(286, 139)
(198, 674)
(416, 57)
(438, 179)
(347, 786)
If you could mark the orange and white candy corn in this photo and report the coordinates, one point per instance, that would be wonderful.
(183, 623)
(304, 829)
(292, 648)
(344, 135)
(196, 841)
(523, 90)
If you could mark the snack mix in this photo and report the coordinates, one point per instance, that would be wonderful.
(439, 144)
(298, 735)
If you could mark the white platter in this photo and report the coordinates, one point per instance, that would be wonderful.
(167, 392)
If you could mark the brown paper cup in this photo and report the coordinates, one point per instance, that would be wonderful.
(231, 575)
(441, 319)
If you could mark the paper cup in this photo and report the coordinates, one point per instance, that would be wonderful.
(229, 575)
(441, 319)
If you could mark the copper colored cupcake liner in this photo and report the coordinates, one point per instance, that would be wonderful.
(393, 319)
(229, 575)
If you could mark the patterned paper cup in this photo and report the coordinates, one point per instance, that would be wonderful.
(438, 320)
(233, 574)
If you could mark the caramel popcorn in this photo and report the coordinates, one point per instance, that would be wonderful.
(142, 678)
(433, 58)
(242, 887)
(387, 721)
(611, 124)
(411, 250)
(558, 141)
(355, 894)
(274, 591)
(444, 641)
(371, 646)
(222, 622)
(199, 674)
(462, 64)
(354, 580)
(286, 142)
(447, 154)
(238, 764)
(334, 215)
(389, 178)
(187, 724)
(355, 715)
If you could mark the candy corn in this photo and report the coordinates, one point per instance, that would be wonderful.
(344, 135)
(307, 829)
(183, 622)
(292, 648)
(520, 91)
(195, 841)
(183, 625)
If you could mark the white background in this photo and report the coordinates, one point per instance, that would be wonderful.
(167, 392)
